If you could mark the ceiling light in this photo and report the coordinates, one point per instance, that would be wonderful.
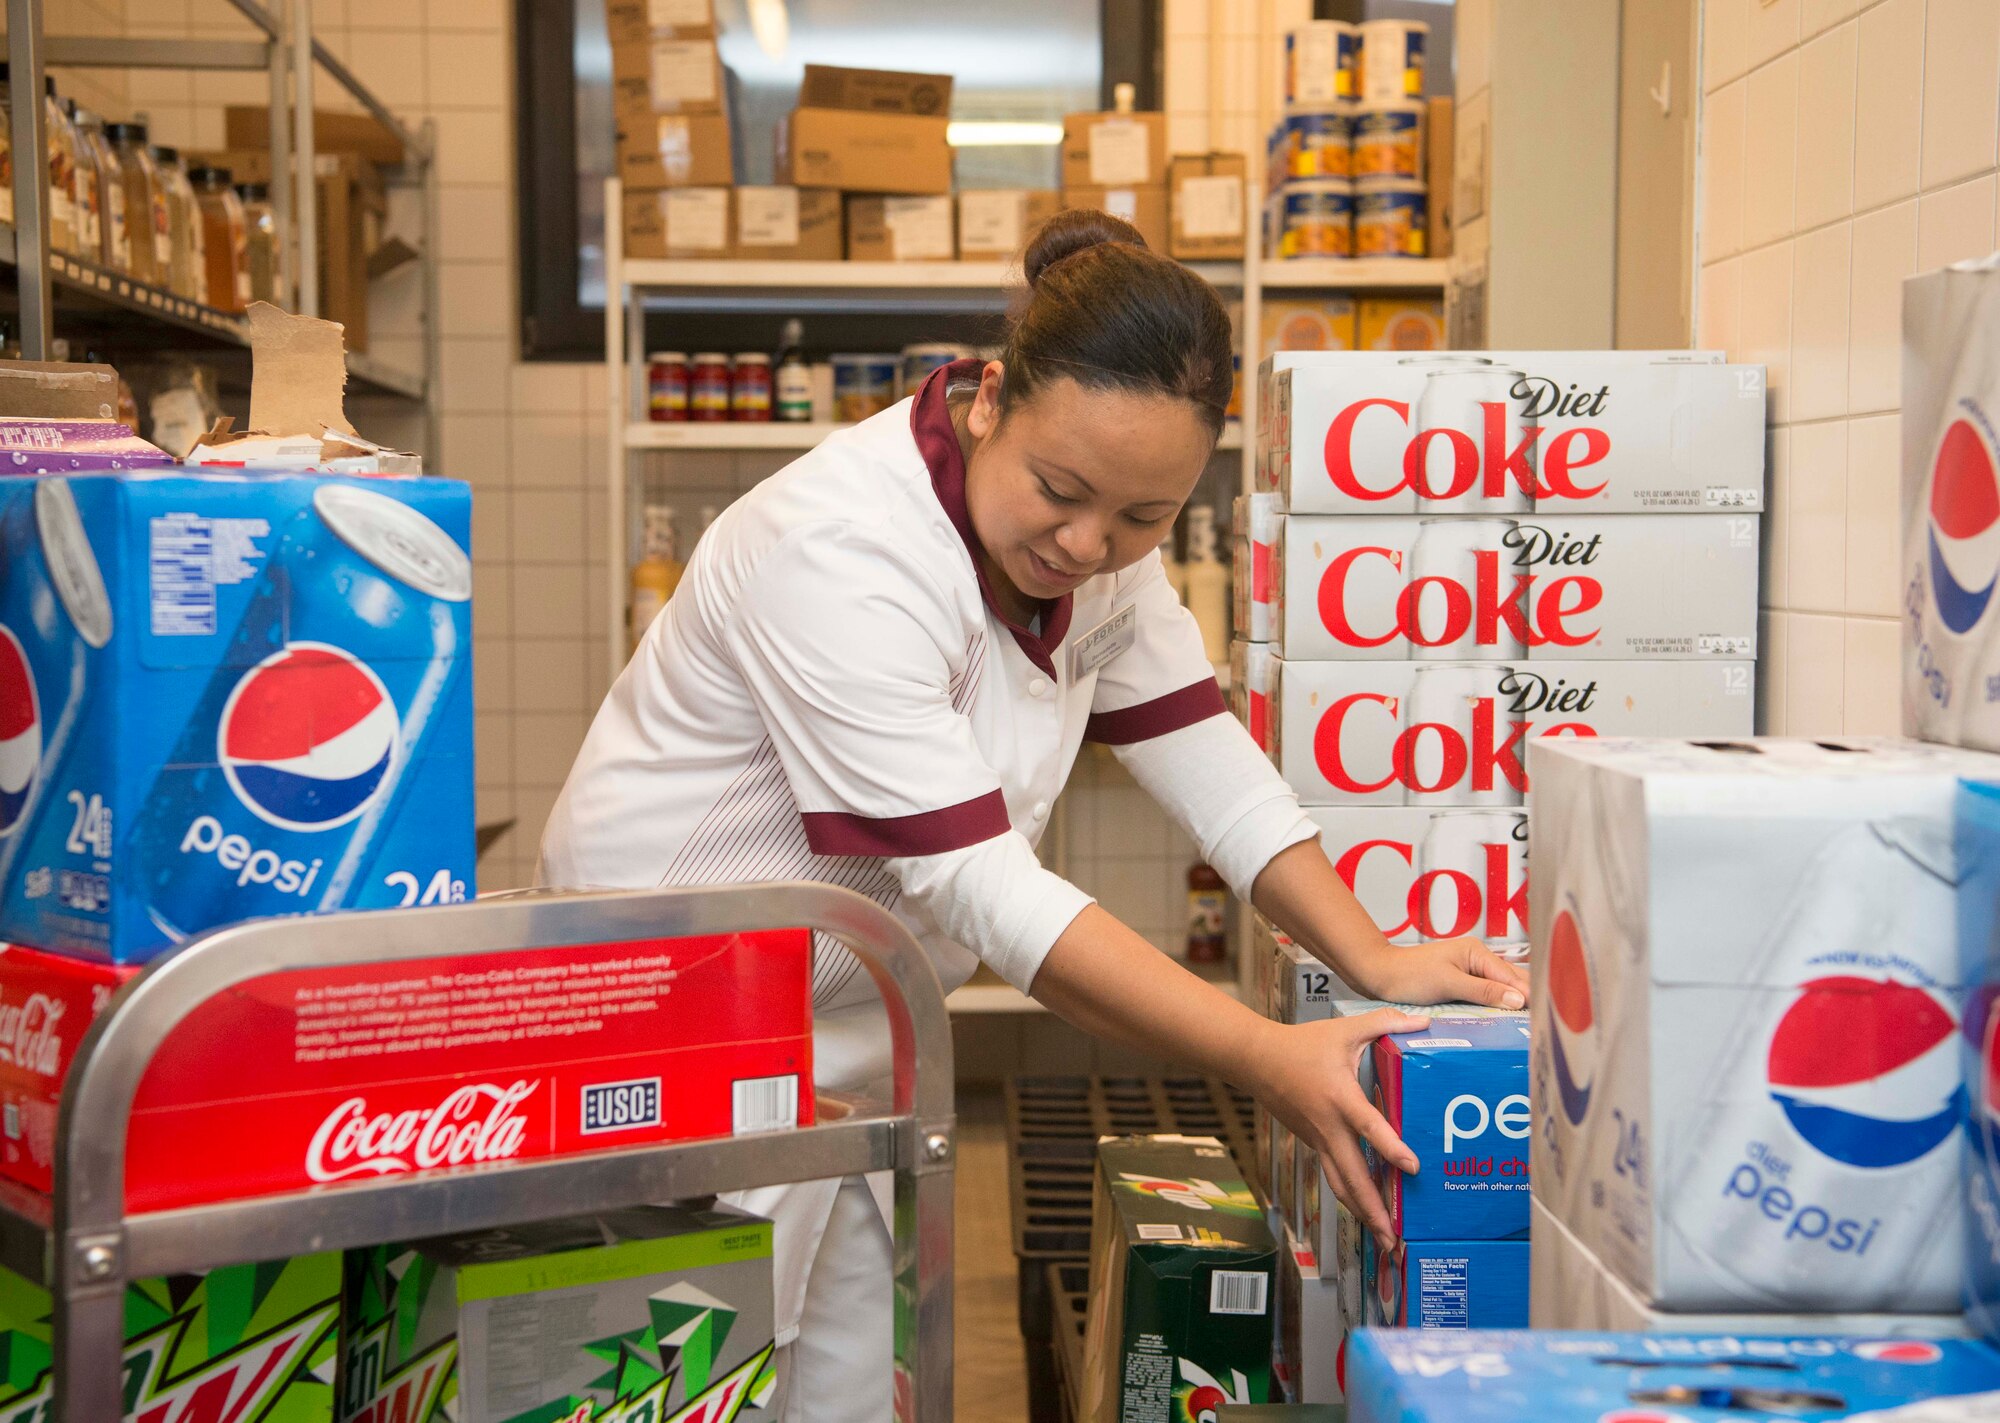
(995, 134)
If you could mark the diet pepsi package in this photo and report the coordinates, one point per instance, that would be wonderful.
(1513, 588)
(1571, 1288)
(1445, 1284)
(1978, 846)
(1424, 873)
(1747, 1087)
(1457, 1094)
(1553, 433)
(1437, 734)
(225, 697)
(1505, 1376)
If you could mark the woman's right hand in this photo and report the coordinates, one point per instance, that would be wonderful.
(1308, 1077)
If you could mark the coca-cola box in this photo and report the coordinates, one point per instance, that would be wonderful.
(47, 1001)
(1456, 733)
(1549, 432)
(1502, 589)
(311, 1077)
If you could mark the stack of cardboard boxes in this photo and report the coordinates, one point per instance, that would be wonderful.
(1190, 206)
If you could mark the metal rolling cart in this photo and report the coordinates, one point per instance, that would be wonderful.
(86, 1244)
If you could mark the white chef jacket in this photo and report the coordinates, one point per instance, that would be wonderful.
(832, 694)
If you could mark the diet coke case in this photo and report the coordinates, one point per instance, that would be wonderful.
(1503, 589)
(224, 697)
(1951, 505)
(1423, 873)
(1253, 569)
(1747, 1087)
(1253, 678)
(1549, 432)
(1438, 734)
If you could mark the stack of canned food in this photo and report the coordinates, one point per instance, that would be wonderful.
(1346, 164)
(713, 386)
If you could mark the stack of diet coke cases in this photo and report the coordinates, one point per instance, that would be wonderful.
(1749, 1003)
(1451, 554)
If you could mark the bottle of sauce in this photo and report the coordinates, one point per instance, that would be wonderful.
(143, 233)
(1208, 916)
(656, 574)
(1207, 584)
(114, 247)
(791, 383)
(89, 185)
(225, 238)
(187, 261)
(264, 254)
(64, 232)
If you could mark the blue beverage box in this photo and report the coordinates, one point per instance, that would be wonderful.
(1446, 1284)
(1457, 1093)
(1503, 1376)
(229, 696)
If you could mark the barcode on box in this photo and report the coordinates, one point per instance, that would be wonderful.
(1237, 1292)
(766, 1103)
(1159, 1232)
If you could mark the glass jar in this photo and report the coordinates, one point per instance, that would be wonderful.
(89, 187)
(114, 248)
(223, 236)
(144, 229)
(187, 261)
(64, 230)
(264, 253)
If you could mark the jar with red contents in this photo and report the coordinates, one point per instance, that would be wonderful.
(667, 385)
(708, 387)
(750, 387)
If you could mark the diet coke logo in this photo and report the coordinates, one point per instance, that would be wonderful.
(1507, 448)
(1505, 600)
(1531, 692)
(477, 1122)
(29, 1036)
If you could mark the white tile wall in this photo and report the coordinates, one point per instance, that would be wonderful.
(1844, 145)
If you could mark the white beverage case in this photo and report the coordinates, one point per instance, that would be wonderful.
(1951, 505)
(1253, 676)
(1627, 587)
(1745, 1080)
(1439, 734)
(1254, 538)
(1548, 432)
(1433, 874)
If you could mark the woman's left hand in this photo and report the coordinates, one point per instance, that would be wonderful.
(1461, 970)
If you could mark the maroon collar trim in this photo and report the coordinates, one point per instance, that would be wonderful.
(937, 442)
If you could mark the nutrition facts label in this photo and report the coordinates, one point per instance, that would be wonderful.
(188, 558)
(1440, 1294)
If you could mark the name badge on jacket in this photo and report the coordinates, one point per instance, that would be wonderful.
(1104, 642)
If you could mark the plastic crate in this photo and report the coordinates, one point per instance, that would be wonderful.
(1069, 1287)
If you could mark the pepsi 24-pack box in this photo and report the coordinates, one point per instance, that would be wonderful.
(1747, 1084)
(225, 697)
(1505, 1376)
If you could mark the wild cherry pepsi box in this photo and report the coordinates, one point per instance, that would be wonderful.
(1457, 1094)
(1503, 1376)
(375, 1070)
(47, 1002)
(230, 696)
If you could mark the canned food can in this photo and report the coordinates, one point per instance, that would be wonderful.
(1322, 60)
(919, 361)
(863, 385)
(1315, 218)
(1389, 139)
(1392, 59)
(667, 385)
(1318, 142)
(750, 387)
(1391, 219)
(708, 387)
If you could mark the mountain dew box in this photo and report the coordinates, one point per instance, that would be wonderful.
(657, 1314)
(253, 1343)
(1182, 1266)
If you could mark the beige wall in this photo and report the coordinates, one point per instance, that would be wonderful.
(1843, 146)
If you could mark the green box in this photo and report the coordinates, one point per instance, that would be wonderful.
(249, 1342)
(640, 1316)
(1182, 1277)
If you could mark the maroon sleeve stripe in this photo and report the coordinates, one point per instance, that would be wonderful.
(1190, 704)
(929, 832)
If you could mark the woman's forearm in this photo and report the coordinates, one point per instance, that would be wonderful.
(1302, 893)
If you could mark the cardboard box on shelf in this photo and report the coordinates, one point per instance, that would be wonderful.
(1323, 325)
(996, 223)
(669, 73)
(900, 229)
(864, 152)
(1207, 206)
(678, 222)
(785, 224)
(673, 150)
(1401, 323)
(1114, 151)
(249, 127)
(1144, 208)
(874, 91)
(1437, 163)
(634, 21)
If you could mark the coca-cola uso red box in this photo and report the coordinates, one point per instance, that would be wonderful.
(1456, 733)
(1424, 872)
(46, 1003)
(1502, 589)
(314, 1077)
(1558, 432)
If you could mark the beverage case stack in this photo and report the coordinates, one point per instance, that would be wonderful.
(1450, 555)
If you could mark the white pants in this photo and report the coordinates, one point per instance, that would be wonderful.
(835, 1277)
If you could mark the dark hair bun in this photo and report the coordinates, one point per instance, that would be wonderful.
(1068, 233)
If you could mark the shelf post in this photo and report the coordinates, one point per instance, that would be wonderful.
(31, 178)
(433, 333)
(280, 61)
(305, 169)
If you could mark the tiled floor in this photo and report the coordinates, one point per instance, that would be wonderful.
(991, 1373)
